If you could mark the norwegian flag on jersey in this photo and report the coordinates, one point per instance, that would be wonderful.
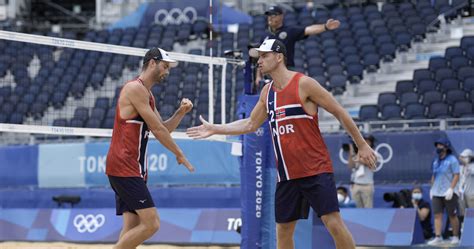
(280, 113)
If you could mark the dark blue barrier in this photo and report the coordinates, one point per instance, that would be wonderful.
(467, 238)
(405, 156)
(173, 197)
(180, 225)
(374, 227)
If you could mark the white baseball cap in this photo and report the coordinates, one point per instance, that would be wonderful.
(159, 54)
(269, 45)
(466, 153)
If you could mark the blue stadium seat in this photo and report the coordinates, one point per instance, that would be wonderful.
(391, 112)
(448, 84)
(77, 122)
(337, 83)
(334, 69)
(465, 72)
(437, 63)
(386, 98)
(110, 113)
(438, 110)
(452, 52)
(102, 102)
(421, 74)
(458, 62)
(371, 62)
(38, 109)
(443, 73)
(60, 122)
(81, 113)
(22, 108)
(58, 99)
(456, 95)
(408, 98)
(108, 123)
(468, 84)
(461, 108)
(426, 85)
(404, 86)
(8, 108)
(466, 42)
(470, 53)
(402, 41)
(97, 113)
(16, 118)
(355, 72)
(93, 123)
(387, 51)
(431, 97)
(368, 113)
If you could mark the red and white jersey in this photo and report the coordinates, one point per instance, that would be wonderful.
(127, 152)
(299, 147)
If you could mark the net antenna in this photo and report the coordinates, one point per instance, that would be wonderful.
(121, 50)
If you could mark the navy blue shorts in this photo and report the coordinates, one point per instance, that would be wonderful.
(131, 193)
(294, 197)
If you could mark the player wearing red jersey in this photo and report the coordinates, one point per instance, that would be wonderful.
(126, 165)
(305, 173)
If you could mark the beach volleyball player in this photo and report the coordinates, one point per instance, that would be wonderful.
(305, 172)
(126, 166)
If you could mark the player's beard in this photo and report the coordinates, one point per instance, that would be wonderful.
(160, 76)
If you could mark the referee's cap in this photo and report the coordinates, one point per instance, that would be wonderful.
(160, 55)
(274, 10)
(269, 45)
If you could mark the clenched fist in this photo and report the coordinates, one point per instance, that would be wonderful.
(185, 106)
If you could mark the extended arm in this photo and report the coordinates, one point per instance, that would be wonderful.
(320, 28)
(243, 126)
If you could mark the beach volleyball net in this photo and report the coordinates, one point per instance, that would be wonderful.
(58, 87)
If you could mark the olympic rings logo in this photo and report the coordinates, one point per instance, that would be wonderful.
(380, 159)
(259, 132)
(176, 16)
(88, 223)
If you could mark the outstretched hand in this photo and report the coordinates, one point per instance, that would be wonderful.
(367, 156)
(332, 24)
(202, 131)
(183, 160)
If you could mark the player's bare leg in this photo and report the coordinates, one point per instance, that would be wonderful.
(338, 230)
(149, 225)
(130, 220)
(285, 233)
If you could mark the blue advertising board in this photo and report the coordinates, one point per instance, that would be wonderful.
(178, 225)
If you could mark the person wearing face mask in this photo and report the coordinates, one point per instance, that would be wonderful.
(424, 212)
(466, 158)
(444, 190)
(344, 199)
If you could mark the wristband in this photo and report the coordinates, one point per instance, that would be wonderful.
(325, 27)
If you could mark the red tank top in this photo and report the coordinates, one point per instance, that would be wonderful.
(127, 152)
(300, 150)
